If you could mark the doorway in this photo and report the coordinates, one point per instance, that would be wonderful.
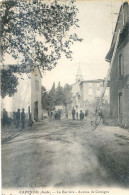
(120, 108)
(36, 111)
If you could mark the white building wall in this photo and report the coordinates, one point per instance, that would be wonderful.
(36, 93)
(22, 98)
(25, 96)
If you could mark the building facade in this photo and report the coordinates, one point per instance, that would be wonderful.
(76, 91)
(86, 94)
(119, 76)
(90, 93)
(36, 109)
(28, 95)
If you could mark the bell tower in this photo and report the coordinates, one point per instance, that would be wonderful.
(79, 75)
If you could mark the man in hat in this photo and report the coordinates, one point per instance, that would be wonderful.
(73, 113)
(81, 116)
(18, 118)
(5, 117)
(23, 118)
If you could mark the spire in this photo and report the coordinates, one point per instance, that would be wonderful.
(79, 75)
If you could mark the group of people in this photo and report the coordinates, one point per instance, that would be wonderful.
(81, 115)
(19, 117)
(54, 115)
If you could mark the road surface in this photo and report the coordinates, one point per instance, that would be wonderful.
(66, 153)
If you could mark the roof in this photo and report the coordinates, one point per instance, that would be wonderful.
(93, 81)
(23, 68)
(119, 25)
(76, 83)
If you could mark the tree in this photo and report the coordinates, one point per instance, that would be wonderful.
(9, 83)
(38, 32)
(67, 94)
(59, 95)
(56, 96)
(44, 98)
(51, 97)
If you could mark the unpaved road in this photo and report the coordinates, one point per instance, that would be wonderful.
(65, 153)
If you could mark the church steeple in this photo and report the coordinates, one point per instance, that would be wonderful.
(79, 75)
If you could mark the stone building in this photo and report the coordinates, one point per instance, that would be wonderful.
(119, 77)
(86, 94)
(36, 109)
(76, 90)
(28, 95)
(90, 93)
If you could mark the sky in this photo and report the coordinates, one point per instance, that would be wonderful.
(95, 21)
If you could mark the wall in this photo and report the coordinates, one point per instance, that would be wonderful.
(36, 93)
(122, 19)
(22, 98)
(90, 92)
(119, 84)
(76, 96)
(125, 117)
(75, 88)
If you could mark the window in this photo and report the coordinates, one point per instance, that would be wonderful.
(121, 67)
(36, 85)
(98, 92)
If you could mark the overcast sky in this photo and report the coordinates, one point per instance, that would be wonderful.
(96, 30)
(95, 21)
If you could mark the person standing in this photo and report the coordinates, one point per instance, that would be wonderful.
(66, 114)
(5, 117)
(14, 118)
(86, 113)
(23, 118)
(81, 116)
(18, 118)
(73, 113)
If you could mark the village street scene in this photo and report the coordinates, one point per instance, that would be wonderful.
(65, 94)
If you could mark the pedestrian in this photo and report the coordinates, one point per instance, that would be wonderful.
(86, 113)
(56, 115)
(66, 114)
(23, 118)
(14, 118)
(59, 114)
(77, 115)
(5, 117)
(51, 115)
(18, 118)
(73, 113)
(81, 116)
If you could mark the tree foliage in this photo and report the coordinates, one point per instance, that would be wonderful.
(44, 98)
(68, 94)
(60, 98)
(38, 32)
(56, 96)
(9, 83)
(52, 96)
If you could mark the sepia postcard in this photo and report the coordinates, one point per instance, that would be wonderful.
(64, 70)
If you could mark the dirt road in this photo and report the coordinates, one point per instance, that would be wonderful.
(65, 153)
